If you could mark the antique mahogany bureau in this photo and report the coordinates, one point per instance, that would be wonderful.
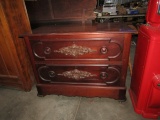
(80, 60)
(71, 56)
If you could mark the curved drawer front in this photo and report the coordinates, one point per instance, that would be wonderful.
(108, 49)
(107, 75)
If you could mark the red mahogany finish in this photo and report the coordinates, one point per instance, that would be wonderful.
(80, 60)
(15, 67)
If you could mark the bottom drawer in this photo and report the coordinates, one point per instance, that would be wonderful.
(107, 75)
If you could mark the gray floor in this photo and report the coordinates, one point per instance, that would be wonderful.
(19, 105)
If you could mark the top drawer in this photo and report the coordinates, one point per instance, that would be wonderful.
(109, 48)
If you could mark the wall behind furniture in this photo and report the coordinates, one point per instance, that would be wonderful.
(60, 10)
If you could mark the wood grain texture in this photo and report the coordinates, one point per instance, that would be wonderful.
(5, 44)
(14, 21)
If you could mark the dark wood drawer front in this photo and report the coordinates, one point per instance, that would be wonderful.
(107, 75)
(107, 49)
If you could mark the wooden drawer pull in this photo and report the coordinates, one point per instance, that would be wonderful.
(103, 75)
(47, 50)
(51, 74)
(104, 50)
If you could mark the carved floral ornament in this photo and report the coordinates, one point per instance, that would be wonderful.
(75, 50)
(77, 74)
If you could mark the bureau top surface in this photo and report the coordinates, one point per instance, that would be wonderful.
(77, 28)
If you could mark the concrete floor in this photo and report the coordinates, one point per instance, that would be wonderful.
(19, 105)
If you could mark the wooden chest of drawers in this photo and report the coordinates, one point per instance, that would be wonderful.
(80, 60)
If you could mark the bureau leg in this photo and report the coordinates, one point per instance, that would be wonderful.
(39, 95)
(124, 100)
(40, 92)
(122, 96)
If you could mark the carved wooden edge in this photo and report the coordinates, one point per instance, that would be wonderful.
(33, 47)
(39, 70)
(118, 76)
(120, 47)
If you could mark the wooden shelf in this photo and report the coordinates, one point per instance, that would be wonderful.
(121, 16)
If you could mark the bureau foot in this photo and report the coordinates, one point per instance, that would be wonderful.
(124, 100)
(39, 95)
